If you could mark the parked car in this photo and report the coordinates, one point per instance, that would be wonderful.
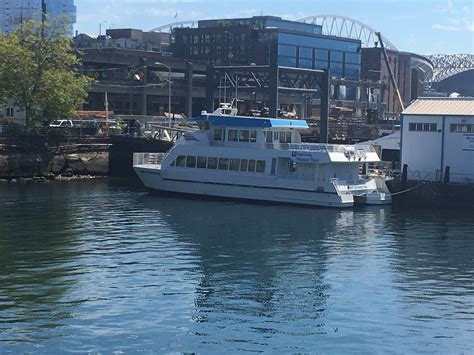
(61, 124)
(77, 127)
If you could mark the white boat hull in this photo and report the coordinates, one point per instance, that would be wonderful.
(374, 198)
(153, 179)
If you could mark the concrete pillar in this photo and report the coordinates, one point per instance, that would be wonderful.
(210, 88)
(189, 89)
(273, 103)
(145, 93)
(324, 120)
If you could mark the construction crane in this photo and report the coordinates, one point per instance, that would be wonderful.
(390, 72)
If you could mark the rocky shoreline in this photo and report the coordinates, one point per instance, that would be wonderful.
(38, 167)
(48, 179)
(43, 163)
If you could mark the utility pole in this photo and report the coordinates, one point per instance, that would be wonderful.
(107, 113)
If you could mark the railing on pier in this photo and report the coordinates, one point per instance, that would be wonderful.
(166, 133)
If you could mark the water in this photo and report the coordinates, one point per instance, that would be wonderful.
(102, 267)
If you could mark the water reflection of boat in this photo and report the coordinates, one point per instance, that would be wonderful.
(257, 260)
(262, 159)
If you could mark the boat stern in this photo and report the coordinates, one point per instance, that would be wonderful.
(371, 191)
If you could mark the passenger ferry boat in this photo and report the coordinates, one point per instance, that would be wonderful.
(262, 159)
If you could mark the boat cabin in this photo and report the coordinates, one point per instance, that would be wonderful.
(233, 131)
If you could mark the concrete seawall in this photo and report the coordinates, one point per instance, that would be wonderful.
(431, 194)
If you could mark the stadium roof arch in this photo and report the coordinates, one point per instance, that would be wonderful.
(337, 26)
(168, 28)
(446, 65)
(332, 25)
(341, 26)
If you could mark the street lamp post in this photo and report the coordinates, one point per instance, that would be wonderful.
(169, 85)
(100, 27)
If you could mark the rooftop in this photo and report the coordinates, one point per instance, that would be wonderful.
(441, 106)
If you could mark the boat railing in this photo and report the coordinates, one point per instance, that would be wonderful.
(367, 148)
(148, 158)
(320, 147)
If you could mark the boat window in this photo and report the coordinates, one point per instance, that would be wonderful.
(269, 137)
(212, 163)
(201, 162)
(260, 166)
(253, 136)
(219, 134)
(181, 161)
(273, 166)
(292, 167)
(251, 165)
(191, 162)
(232, 136)
(285, 137)
(235, 164)
(223, 164)
(244, 165)
(243, 136)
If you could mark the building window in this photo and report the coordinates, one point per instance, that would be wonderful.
(322, 54)
(10, 112)
(462, 128)
(336, 56)
(336, 68)
(305, 63)
(286, 50)
(321, 64)
(422, 127)
(286, 61)
(352, 71)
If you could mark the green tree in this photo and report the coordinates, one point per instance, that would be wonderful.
(39, 69)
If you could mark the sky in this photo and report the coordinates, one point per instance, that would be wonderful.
(417, 26)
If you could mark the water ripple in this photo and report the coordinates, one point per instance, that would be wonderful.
(104, 267)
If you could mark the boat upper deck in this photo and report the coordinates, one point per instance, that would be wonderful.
(270, 134)
(250, 122)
